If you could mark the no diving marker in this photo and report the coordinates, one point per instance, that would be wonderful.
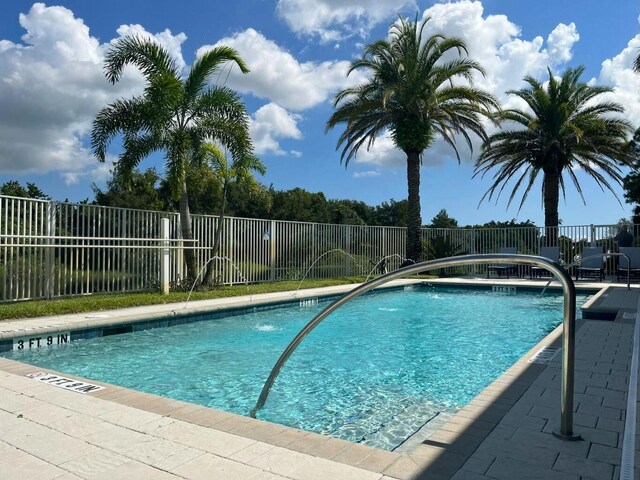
(66, 383)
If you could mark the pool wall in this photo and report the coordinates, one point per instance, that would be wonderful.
(104, 324)
(36, 333)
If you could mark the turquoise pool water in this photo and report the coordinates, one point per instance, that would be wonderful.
(373, 372)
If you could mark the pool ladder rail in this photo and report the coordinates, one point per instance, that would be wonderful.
(568, 323)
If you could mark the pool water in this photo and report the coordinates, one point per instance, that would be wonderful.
(373, 372)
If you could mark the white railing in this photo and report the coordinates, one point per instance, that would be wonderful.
(52, 249)
(528, 240)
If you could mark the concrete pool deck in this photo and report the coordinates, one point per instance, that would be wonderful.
(504, 433)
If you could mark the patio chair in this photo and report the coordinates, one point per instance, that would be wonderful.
(504, 270)
(591, 267)
(633, 264)
(552, 253)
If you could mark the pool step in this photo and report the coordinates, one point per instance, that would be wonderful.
(405, 425)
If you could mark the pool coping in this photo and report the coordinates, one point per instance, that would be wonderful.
(88, 325)
(483, 414)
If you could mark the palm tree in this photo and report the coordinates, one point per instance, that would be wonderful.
(239, 170)
(636, 63)
(175, 114)
(414, 93)
(566, 128)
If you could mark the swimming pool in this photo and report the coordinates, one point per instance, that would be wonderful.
(373, 372)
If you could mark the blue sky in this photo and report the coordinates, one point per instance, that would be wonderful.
(51, 86)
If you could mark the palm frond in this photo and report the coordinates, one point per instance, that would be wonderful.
(136, 148)
(567, 128)
(207, 65)
(147, 55)
(120, 116)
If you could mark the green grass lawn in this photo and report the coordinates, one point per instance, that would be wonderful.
(88, 303)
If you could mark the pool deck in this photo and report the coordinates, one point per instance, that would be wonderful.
(47, 432)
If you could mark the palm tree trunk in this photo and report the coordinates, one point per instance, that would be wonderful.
(208, 276)
(414, 221)
(551, 187)
(187, 233)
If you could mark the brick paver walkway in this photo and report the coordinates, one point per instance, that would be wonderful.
(521, 445)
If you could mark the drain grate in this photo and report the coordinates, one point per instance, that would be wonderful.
(544, 355)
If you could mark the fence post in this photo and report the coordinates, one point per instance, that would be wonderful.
(48, 251)
(347, 248)
(593, 236)
(179, 257)
(272, 250)
(164, 256)
(472, 249)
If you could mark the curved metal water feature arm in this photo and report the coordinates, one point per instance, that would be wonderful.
(568, 325)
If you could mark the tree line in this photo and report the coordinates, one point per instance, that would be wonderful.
(246, 198)
(147, 190)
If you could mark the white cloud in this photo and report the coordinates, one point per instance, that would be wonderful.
(332, 20)
(277, 76)
(494, 41)
(560, 42)
(270, 123)
(295, 153)
(367, 174)
(385, 154)
(59, 34)
(103, 171)
(617, 72)
(100, 172)
(382, 153)
(51, 86)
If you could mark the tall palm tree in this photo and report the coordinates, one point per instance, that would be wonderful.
(636, 63)
(566, 127)
(238, 170)
(175, 115)
(414, 91)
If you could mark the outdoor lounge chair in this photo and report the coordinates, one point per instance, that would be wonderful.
(633, 264)
(552, 253)
(504, 270)
(592, 265)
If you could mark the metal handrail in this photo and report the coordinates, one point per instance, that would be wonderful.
(568, 324)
